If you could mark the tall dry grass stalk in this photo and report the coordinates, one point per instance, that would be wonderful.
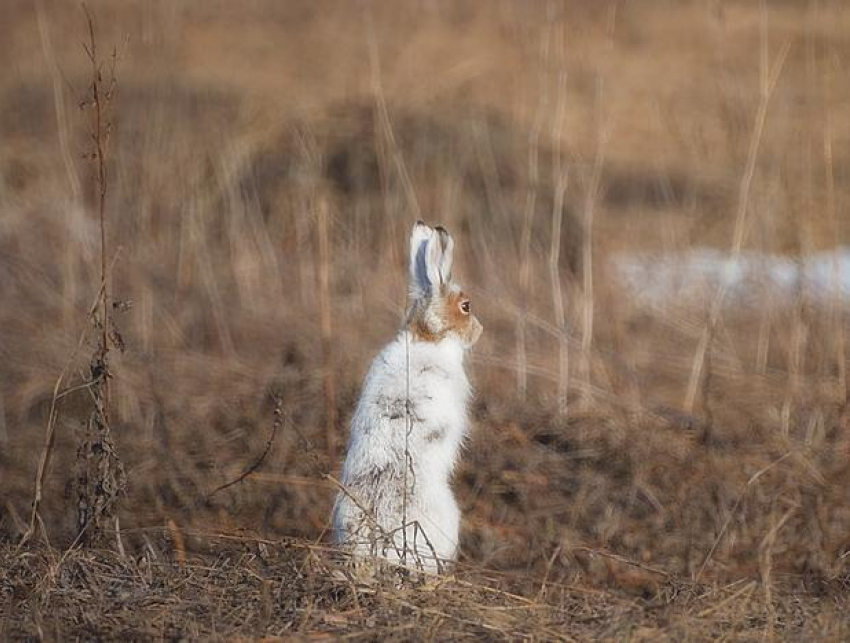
(560, 181)
(591, 196)
(540, 113)
(101, 477)
(837, 294)
(4, 431)
(769, 78)
(766, 549)
(62, 129)
(390, 154)
(323, 225)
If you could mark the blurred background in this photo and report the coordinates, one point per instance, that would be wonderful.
(649, 201)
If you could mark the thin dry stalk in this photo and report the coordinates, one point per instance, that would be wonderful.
(621, 559)
(4, 432)
(53, 416)
(766, 564)
(323, 225)
(587, 249)
(746, 589)
(763, 343)
(800, 330)
(368, 515)
(769, 81)
(178, 541)
(384, 132)
(561, 180)
(798, 340)
(837, 296)
(301, 220)
(101, 130)
(528, 220)
(408, 429)
(101, 475)
(69, 274)
(753, 479)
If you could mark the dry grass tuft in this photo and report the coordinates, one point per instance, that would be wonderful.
(252, 587)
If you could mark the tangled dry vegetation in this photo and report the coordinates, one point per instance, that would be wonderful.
(251, 587)
(638, 468)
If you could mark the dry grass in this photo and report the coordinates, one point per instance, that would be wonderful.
(635, 470)
(253, 587)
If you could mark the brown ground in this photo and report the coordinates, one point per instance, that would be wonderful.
(251, 588)
(261, 146)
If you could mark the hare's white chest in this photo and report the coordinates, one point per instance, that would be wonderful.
(414, 400)
(439, 392)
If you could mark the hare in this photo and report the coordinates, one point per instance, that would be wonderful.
(410, 422)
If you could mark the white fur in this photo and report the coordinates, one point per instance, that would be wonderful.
(407, 513)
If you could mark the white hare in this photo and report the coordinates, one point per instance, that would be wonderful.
(406, 433)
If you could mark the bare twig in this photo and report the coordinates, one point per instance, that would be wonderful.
(276, 424)
(101, 476)
(622, 559)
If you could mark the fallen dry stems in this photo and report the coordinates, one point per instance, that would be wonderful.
(282, 587)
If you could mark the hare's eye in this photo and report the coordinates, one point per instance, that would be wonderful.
(465, 306)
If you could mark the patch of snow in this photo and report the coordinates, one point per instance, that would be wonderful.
(752, 277)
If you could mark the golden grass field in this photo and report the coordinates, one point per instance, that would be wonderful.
(647, 462)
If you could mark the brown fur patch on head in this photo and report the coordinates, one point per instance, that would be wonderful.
(455, 317)
(420, 323)
(459, 321)
(434, 319)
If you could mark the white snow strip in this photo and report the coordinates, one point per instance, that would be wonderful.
(751, 278)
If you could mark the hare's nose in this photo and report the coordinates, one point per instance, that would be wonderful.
(477, 329)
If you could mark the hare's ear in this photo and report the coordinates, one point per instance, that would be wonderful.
(425, 253)
(447, 245)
